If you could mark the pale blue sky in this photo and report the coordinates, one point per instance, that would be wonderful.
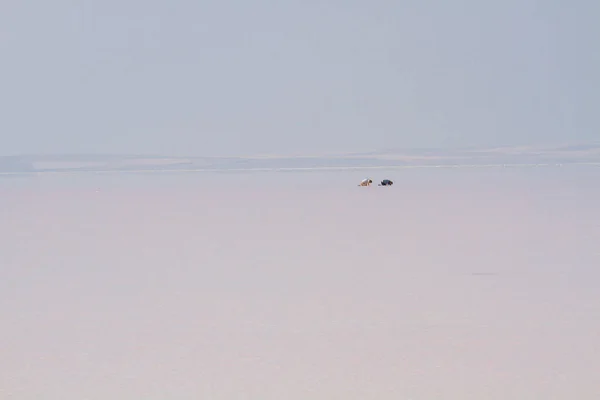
(189, 77)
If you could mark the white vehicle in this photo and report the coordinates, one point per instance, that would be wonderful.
(365, 182)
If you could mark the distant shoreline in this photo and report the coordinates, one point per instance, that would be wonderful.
(516, 156)
(307, 169)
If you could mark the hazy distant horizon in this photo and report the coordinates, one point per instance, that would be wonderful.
(322, 153)
(511, 156)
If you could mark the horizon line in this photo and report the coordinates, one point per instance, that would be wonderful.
(373, 151)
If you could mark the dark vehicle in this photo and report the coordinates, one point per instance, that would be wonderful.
(386, 182)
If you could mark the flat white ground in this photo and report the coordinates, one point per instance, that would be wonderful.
(452, 284)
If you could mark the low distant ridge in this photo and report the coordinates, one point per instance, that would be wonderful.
(588, 153)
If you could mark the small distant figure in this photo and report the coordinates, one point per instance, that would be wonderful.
(386, 182)
(365, 182)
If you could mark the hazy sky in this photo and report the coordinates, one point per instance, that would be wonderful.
(240, 77)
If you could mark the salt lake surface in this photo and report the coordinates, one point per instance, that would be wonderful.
(452, 284)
